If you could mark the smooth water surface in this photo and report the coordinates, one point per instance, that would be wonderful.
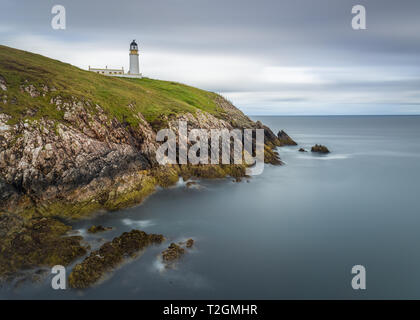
(293, 232)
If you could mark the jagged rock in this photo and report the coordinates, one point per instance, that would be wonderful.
(174, 252)
(302, 150)
(190, 243)
(320, 149)
(96, 229)
(109, 256)
(191, 184)
(285, 139)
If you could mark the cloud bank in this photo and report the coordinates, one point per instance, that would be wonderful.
(268, 57)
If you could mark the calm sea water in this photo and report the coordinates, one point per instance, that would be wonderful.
(293, 232)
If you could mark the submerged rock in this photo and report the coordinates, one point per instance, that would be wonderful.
(191, 184)
(302, 150)
(109, 256)
(27, 243)
(190, 243)
(95, 229)
(285, 139)
(175, 251)
(320, 149)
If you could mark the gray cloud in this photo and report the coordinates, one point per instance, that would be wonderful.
(267, 56)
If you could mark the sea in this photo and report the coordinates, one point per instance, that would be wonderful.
(294, 232)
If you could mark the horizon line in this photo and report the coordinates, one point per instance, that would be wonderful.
(334, 115)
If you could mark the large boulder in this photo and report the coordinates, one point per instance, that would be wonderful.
(320, 149)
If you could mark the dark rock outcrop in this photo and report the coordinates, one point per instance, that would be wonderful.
(109, 256)
(175, 251)
(285, 139)
(320, 149)
(189, 243)
(35, 242)
(96, 229)
(73, 167)
(302, 150)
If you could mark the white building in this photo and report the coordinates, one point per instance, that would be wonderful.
(134, 71)
(108, 72)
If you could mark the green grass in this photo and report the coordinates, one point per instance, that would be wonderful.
(152, 98)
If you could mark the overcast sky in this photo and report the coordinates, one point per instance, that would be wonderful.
(281, 57)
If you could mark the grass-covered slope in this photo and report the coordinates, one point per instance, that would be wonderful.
(119, 97)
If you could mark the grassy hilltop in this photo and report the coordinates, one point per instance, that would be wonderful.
(152, 98)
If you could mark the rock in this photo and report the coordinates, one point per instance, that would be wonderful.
(35, 242)
(285, 139)
(174, 252)
(190, 183)
(190, 243)
(302, 150)
(3, 84)
(95, 229)
(320, 149)
(31, 89)
(109, 256)
(268, 134)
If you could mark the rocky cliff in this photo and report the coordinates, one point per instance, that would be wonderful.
(72, 142)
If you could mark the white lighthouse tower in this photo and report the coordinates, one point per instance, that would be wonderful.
(134, 71)
(134, 59)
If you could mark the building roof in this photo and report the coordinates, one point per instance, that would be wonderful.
(106, 69)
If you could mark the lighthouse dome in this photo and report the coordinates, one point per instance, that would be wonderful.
(133, 45)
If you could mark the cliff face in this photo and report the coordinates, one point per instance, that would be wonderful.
(68, 149)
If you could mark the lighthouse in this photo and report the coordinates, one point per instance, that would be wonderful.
(133, 72)
(134, 58)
